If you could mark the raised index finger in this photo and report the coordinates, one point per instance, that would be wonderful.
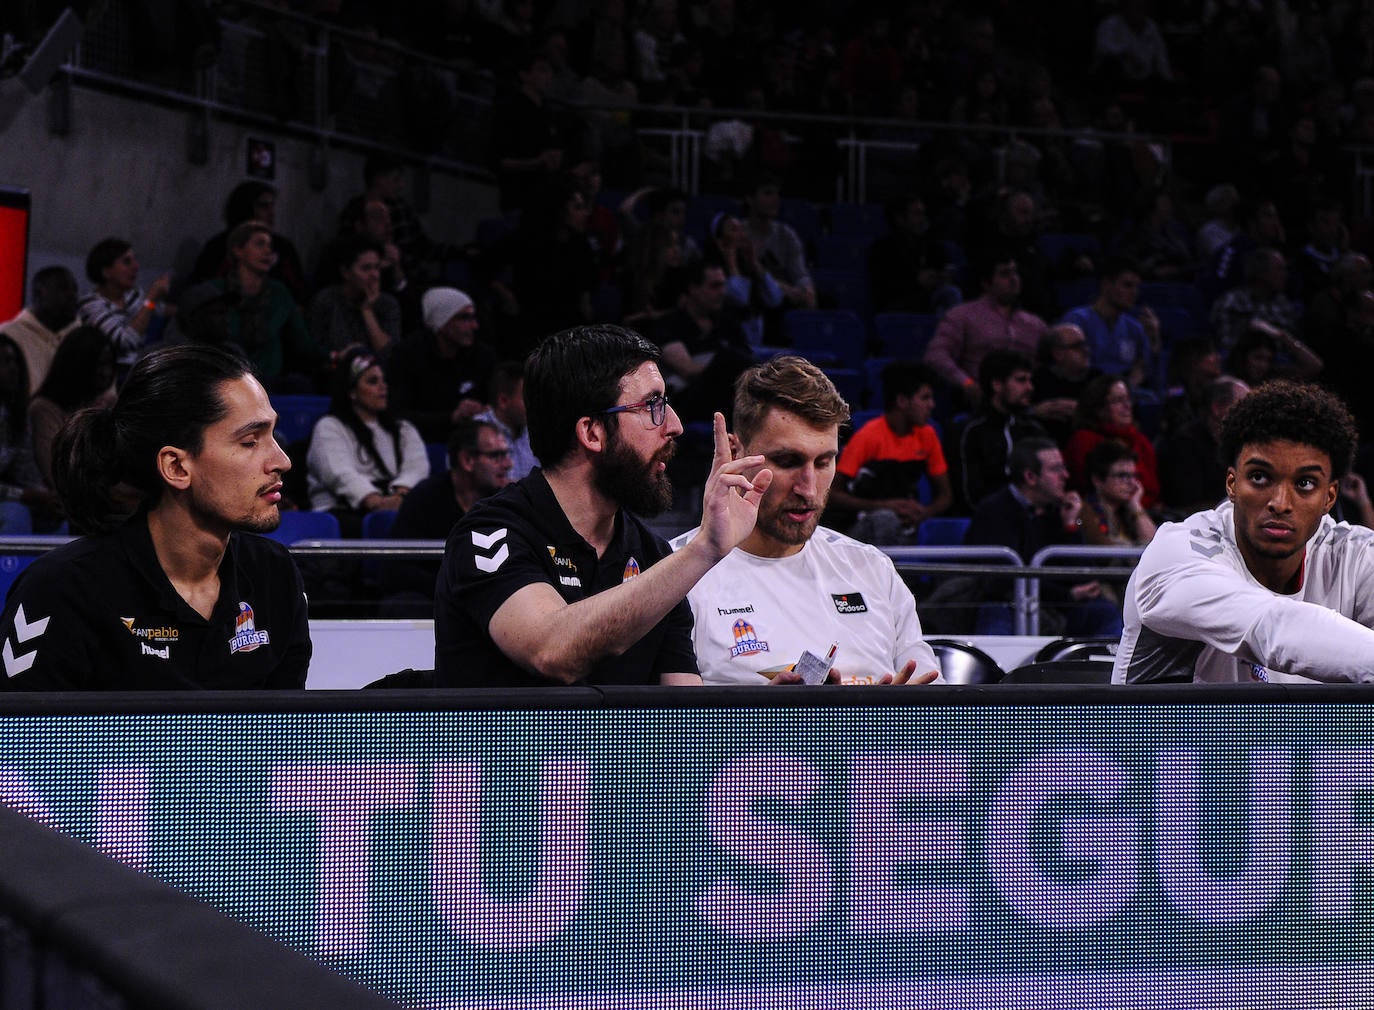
(722, 449)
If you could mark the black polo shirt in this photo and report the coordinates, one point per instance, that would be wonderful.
(100, 614)
(521, 536)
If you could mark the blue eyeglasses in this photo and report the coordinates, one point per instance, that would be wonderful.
(657, 406)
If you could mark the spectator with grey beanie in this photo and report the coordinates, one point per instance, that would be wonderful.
(438, 374)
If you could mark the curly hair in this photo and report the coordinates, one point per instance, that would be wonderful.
(1282, 411)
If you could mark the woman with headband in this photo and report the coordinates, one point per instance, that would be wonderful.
(361, 458)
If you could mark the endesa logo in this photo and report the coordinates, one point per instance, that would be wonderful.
(849, 603)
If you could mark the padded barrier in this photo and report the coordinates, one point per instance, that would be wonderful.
(534, 848)
(85, 932)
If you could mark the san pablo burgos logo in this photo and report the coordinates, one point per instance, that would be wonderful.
(163, 636)
(246, 636)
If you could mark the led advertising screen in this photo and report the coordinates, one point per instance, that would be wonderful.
(952, 856)
(14, 250)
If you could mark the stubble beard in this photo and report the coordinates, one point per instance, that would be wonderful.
(248, 522)
(777, 526)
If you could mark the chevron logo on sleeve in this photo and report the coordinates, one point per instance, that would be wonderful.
(24, 630)
(1212, 537)
(491, 549)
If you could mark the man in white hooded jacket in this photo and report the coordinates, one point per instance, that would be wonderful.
(1266, 586)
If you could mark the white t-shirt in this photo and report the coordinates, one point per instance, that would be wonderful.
(753, 614)
(1194, 612)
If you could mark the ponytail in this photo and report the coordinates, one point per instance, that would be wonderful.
(85, 472)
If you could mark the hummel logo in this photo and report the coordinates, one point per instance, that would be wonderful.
(484, 543)
(23, 631)
(1210, 535)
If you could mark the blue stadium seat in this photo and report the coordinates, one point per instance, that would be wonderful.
(305, 525)
(438, 457)
(1179, 293)
(1148, 410)
(957, 261)
(493, 231)
(904, 334)
(858, 219)
(873, 367)
(859, 418)
(1176, 322)
(852, 385)
(845, 252)
(924, 494)
(1057, 247)
(942, 531)
(1072, 294)
(608, 304)
(804, 218)
(297, 414)
(157, 329)
(377, 525)
(457, 274)
(10, 567)
(828, 337)
(15, 519)
(843, 289)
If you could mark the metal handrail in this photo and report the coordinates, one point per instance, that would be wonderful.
(686, 139)
(941, 560)
(913, 559)
(410, 549)
(35, 543)
(1040, 565)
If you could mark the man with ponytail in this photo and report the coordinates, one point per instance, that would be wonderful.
(167, 589)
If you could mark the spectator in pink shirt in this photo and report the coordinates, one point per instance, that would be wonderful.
(993, 322)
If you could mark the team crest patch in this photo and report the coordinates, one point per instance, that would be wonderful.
(631, 570)
(849, 603)
(746, 640)
(246, 635)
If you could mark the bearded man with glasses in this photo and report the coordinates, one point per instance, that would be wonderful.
(556, 579)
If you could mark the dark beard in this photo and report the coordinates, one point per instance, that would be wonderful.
(630, 482)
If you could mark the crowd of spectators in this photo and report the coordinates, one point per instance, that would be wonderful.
(1081, 286)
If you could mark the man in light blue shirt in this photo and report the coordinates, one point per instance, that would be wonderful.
(506, 413)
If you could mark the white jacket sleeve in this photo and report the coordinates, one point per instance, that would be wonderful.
(414, 457)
